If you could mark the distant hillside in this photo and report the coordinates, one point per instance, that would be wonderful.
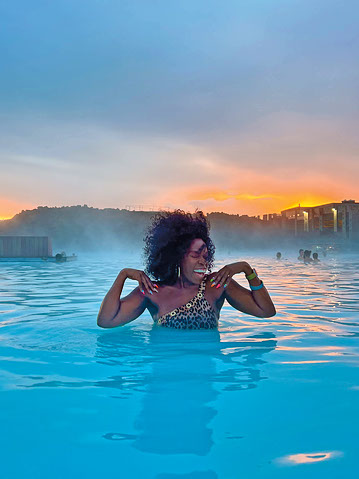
(83, 228)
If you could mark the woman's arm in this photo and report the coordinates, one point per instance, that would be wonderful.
(117, 312)
(257, 303)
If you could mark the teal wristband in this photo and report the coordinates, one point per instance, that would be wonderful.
(256, 288)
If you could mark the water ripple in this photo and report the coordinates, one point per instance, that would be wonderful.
(249, 380)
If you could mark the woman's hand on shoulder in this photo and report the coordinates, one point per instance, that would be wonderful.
(144, 282)
(222, 277)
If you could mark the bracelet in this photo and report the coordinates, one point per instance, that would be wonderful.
(256, 288)
(252, 275)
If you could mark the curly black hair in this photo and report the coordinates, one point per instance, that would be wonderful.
(167, 240)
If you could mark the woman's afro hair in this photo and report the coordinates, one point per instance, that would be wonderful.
(167, 240)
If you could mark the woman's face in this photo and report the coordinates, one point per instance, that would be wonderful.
(195, 261)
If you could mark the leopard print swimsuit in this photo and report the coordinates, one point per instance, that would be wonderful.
(196, 314)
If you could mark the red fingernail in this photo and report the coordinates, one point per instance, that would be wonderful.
(218, 286)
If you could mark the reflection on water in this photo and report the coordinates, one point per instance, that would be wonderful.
(185, 373)
(309, 458)
(179, 404)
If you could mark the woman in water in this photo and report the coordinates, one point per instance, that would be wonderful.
(179, 252)
(306, 257)
(315, 258)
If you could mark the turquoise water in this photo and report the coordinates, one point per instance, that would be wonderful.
(259, 398)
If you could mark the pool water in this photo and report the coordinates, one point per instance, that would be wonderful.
(259, 398)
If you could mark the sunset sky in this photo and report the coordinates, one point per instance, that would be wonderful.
(245, 107)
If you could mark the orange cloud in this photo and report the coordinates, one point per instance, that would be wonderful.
(254, 203)
(222, 196)
(239, 189)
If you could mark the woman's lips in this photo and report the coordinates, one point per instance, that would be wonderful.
(199, 274)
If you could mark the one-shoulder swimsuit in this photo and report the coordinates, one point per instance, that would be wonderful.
(196, 314)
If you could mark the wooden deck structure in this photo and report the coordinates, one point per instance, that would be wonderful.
(25, 247)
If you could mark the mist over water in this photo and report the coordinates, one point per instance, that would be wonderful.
(257, 398)
(85, 230)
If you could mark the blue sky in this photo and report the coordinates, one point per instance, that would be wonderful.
(229, 106)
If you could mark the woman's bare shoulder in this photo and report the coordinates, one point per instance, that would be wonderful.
(212, 291)
(163, 287)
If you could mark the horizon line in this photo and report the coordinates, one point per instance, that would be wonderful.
(154, 209)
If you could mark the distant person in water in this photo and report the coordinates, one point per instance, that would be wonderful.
(184, 293)
(315, 258)
(279, 255)
(306, 256)
(301, 255)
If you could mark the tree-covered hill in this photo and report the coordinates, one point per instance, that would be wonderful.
(83, 228)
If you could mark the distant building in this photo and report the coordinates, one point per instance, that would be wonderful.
(25, 247)
(273, 219)
(332, 218)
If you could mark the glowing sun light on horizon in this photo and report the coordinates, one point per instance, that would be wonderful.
(262, 203)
